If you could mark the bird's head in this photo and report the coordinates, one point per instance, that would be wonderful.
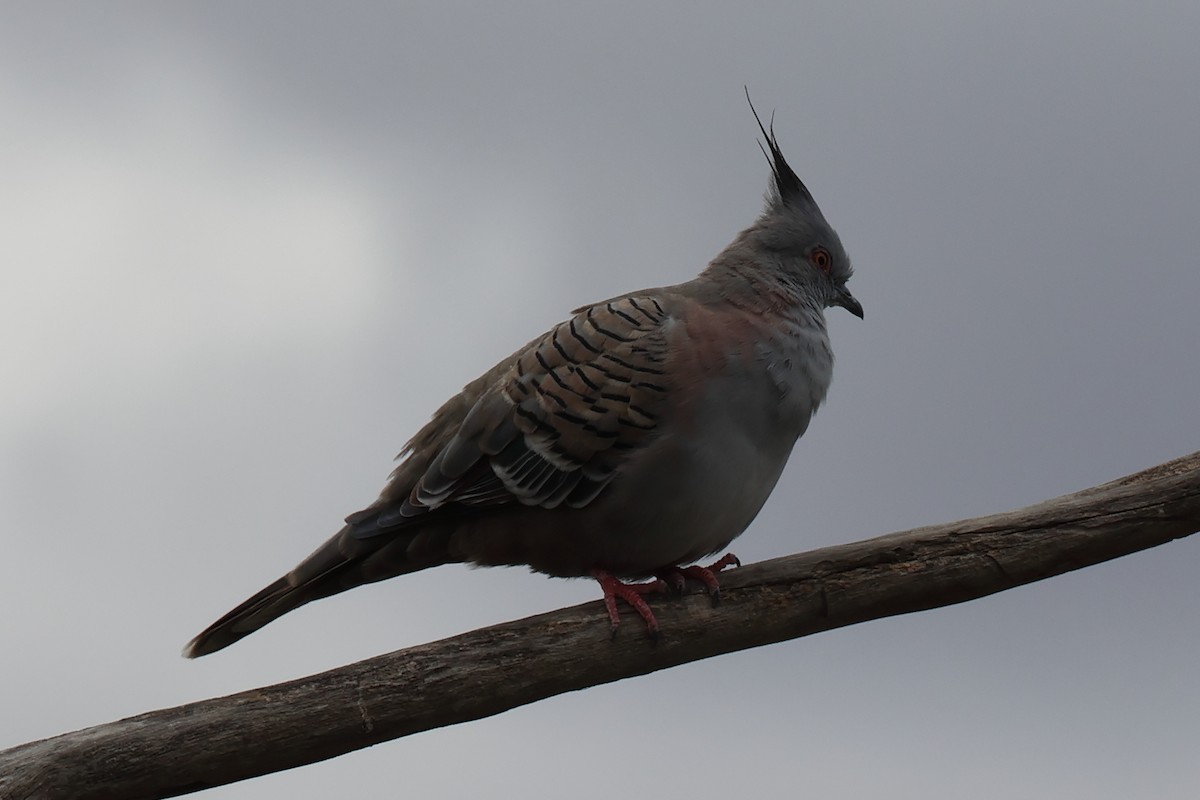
(792, 227)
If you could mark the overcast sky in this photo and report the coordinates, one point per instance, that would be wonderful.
(248, 248)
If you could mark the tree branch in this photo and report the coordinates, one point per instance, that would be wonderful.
(179, 750)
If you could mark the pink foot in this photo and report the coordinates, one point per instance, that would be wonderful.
(677, 576)
(631, 593)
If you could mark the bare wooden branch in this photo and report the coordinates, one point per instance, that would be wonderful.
(179, 750)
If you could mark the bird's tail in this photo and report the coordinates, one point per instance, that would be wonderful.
(343, 562)
(269, 604)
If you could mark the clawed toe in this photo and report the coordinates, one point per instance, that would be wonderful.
(631, 593)
(672, 579)
(706, 575)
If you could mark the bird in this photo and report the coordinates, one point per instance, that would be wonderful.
(637, 437)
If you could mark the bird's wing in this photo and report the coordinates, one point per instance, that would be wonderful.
(549, 426)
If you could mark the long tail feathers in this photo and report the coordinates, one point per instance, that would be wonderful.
(343, 562)
(269, 604)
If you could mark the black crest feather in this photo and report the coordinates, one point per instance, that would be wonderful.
(788, 185)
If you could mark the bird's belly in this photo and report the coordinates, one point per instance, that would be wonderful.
(694, 490)
(686, 495)
(685, 511)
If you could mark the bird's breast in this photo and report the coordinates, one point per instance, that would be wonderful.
(769, 372)
(722, 450)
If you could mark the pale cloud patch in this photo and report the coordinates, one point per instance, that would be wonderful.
(166, 227)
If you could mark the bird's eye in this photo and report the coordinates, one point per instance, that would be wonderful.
(821, 259)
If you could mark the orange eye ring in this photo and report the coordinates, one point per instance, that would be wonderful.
(821, 259)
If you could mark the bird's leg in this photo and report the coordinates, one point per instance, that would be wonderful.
(676, 576)
(631, 593)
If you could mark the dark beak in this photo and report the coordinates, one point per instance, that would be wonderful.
(847, 301)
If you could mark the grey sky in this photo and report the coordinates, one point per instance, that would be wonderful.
(248, 250)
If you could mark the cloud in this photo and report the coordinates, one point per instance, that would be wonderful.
(166, 224)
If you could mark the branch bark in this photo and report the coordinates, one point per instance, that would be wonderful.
(178, 750)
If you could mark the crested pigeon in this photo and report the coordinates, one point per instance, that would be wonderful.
(642, 434)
